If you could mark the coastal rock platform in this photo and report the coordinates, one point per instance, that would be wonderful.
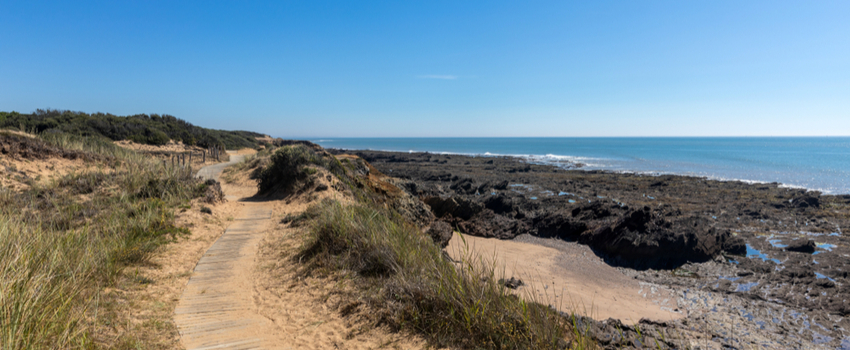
(751, 265)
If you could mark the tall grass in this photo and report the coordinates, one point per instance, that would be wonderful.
(61, 248)
(408, 279)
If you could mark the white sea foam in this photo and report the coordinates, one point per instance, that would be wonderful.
(720, 178)
(589, 163)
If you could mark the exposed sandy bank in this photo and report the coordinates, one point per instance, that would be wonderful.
(571, 279)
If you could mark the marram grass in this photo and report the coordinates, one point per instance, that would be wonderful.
(62, 242)
(452, 304)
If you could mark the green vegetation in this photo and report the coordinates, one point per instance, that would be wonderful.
(64, 241)
(403, 277)
(294, 166)
(151, 129)
(288, 167)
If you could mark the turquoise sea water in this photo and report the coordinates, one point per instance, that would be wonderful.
(816, 163)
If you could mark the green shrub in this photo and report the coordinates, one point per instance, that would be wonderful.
(288, 167)
(151, 129)
(150, 137)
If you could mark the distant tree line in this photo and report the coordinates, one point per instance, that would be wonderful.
(153, 129)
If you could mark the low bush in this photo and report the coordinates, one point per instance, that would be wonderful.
(289, 166)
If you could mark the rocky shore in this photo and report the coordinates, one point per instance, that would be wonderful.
(752, 265)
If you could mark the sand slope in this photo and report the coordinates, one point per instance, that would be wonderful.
(570, 278)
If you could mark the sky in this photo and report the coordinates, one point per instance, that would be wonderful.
(439, 68)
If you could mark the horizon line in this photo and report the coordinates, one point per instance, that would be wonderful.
(553, 137)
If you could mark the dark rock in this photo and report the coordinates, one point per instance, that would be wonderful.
(439, 177)
(321, 187)
(825, 283)
(807, 201)
(440, 232)
(483, 188)
(512, 283)
(520, 169)
(648, 239)
(842, 309)
(801, 246)
(501, 185)
(799, 272)
(558, 224)
(413, 209)
(594, 211)
(487, 224)
(647, 321)
(408, 186)
(500, 204)
(464, 186)
(458, 207)
(735, 245)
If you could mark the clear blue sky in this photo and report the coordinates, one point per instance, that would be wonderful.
(432, 68)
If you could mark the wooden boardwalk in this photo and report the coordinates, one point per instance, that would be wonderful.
(216, 310)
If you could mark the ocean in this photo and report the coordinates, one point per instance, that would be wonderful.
(814, 163)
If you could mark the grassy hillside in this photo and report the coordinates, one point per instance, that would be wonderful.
(64, 240)
(151, 129)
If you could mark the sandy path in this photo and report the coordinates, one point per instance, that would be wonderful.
(570, 278)
(243, 297)
(216, 310)
(213, 171)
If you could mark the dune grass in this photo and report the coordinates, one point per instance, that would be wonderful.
(411, 284)
(64, 241)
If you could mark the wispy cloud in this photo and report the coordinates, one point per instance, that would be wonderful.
(435, 76)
